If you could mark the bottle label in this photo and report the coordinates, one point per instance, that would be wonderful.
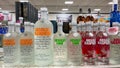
(26, 50)
(42, 32)
(75, 42)
(88, 49)
(102, 47)
(43, 49)
(59, 41)
(113, 30)
(26, 42)
(115, 41)
(103, 41)
(90, 42)
(8, 42)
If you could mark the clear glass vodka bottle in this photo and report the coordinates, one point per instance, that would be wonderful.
(74, 47)
(27, 46)
(114, 33)
(10, 46)
(60, 46)
(43, 37)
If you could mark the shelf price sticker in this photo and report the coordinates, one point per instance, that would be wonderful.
(42, 32)
(8, 42)
(26, 42)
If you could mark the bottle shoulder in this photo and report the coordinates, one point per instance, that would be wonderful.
(60, 34)
(11, 34)
(27, 35)
(74, 35)
(40, 23)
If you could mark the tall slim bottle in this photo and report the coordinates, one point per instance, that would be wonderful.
(102, 47)
(114, 15)
(10, 46)
(74, 47)
(27, 46)
(60, 46)
(43, 32)
(88, 44)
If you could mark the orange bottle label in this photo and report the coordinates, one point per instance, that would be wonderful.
(42, 31)
(26, 42)
(8, 42)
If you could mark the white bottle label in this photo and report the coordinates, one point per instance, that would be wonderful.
(43, 48)
(9, 50)
(26, 50)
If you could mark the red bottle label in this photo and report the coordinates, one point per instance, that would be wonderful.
(88, 45)
(115, 41)
(102, 46)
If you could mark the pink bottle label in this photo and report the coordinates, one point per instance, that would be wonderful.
(115, 41)
(102, 46)
(88, 45)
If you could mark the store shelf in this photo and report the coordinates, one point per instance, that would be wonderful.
(100, 66)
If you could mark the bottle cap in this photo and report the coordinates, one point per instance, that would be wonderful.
(32, 24)
(20, 18)
(17, 24)
(26, 23)
(11, 23)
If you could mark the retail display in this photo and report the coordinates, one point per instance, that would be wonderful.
(88, 40)
(60, 46)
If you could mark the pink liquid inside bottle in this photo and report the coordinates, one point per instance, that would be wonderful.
(102, 47)
(88, 44)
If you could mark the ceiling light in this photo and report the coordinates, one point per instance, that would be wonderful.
(97, 9)
(110, 3)
(23, 0)
(68, 2)
(65, 9)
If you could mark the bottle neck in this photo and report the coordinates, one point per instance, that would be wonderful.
(60, 29)
(27, 28)
(74, 29)
(18, 29)
(88, 28)
(11, 28)
(115, 7)
(102, 28)
(44, 15)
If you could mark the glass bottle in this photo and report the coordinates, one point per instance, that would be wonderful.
(60, 46)
(88, 44)
(74, 47)
(43, 37)
(10, 46)
(27, 46)
(102, 47)
(114, 33)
